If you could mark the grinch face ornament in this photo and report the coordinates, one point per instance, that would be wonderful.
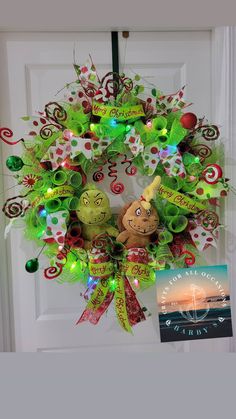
(94, 211)
(94, 207)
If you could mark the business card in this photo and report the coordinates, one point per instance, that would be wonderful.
(194, 303)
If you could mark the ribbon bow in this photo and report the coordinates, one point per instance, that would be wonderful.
(72, 146)
(56, 226)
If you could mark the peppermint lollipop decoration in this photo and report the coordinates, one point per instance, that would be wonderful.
(212, 173)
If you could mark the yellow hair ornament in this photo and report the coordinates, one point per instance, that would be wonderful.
(149, 192)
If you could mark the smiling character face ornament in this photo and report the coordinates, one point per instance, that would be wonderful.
(139, 220)
(94, 211)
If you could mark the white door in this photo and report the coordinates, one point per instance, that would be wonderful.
(34, 67)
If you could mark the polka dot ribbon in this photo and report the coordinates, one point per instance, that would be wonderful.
(56, 227)
(73, 146)
(169, 156)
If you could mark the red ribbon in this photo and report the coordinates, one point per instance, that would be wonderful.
(134, 310)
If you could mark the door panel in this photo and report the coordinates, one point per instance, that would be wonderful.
(37, 67)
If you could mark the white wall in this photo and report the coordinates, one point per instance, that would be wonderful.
(80, 15)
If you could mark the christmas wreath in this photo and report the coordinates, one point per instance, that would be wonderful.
(170, 225)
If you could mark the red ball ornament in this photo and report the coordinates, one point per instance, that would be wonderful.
(188, 120)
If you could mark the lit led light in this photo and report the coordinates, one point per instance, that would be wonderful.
(128, 128)
(149, 124)
(92, 127)
(63, 163)
(73, 266)
(49, 190)
(40, 233)
(136, 283)
(67, 134)
(113, 123)
(164, 131)
(112, 284)
(43, 213)
(91, 281)
(60, 248)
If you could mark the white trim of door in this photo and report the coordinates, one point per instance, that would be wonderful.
(224, 106)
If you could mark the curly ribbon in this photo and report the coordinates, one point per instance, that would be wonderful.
(47, 131)
(16, 209)
(54, 271)
(98, 176)
(116, 187)
(202, 151)
(180, 248)
(129, 170)
(111, 83)
(208, 132)
(190, 258)
(7, 133)
(56, 112)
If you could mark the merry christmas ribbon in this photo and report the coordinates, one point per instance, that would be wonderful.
(180, 200)
(121, 113)
(127, 307)
(59, 192)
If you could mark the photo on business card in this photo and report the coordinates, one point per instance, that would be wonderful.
(194, 303)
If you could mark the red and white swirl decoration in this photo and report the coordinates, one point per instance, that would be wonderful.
(212, 173)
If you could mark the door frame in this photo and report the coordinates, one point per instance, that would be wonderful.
(223, 98)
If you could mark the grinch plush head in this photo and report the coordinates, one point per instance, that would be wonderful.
(138, 221)
(94, 207)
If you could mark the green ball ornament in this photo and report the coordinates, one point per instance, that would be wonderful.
(14, 163)
(32, 265)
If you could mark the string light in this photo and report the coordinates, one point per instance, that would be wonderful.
(136, 283)
(113, 123)
(92, 281)
(149, 124)
(43, 213)
(112, 284)
(73, 266)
